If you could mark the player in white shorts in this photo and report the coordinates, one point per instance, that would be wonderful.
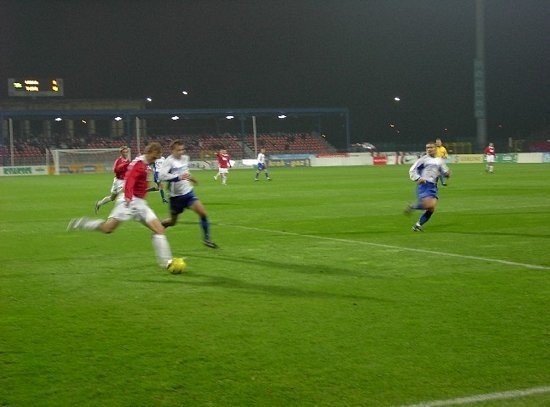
(133, 206)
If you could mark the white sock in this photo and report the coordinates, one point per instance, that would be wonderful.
(88, 224)
(162, 249)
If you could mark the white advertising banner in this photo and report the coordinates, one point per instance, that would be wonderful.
(24, 170)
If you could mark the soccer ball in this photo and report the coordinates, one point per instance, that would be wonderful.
(176, 265)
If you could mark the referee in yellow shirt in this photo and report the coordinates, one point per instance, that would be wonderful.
(441, 152)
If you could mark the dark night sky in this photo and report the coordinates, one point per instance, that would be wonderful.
(295, 53)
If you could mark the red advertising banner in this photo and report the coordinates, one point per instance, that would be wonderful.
(380, 160)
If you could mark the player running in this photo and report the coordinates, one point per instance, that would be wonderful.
(133, 205)
(175, 171)
(262, 165)
(425, 171)
(224, 164)
(158, 183)
(120, 167)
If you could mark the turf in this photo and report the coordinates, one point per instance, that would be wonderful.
(319, 295)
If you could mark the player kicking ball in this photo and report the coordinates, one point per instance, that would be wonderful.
(132, 205)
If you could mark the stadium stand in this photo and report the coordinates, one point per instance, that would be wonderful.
(199, 146)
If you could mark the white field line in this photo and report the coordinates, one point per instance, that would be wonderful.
(387, 246)
(512, 394)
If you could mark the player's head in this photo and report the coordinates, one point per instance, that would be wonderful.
(177, 148)
(124, 151)
(491, 145)
(438, 142)
(430, 148)
(262, 150)
(153, 151)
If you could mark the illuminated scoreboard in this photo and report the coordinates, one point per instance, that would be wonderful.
(35, 87)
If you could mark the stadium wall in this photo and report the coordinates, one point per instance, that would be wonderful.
(24, 170)
(304, 160)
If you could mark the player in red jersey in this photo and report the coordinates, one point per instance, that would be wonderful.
(119, 168)
(224, 164)
(490, 154)
(132, 205)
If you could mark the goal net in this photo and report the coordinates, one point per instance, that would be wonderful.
(71, 161)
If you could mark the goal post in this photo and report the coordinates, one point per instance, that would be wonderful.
(93, 160)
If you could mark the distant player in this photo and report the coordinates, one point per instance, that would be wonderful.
(441, 152)
(425, 171)
(133, 205)
(262, 165)
(120, 167)
(158, 183)
(490, 154)
(224, 164)
(175, 171)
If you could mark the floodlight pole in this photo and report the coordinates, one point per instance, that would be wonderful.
(138, 136)
(255, 135)
(10, 132)
(480, 108)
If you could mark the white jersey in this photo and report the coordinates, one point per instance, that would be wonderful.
(261, 158)
(173, 167)
(428, 168)
(158, 164)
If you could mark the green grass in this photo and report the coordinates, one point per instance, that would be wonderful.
(320, 295)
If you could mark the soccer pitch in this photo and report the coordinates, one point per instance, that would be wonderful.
(319, 295)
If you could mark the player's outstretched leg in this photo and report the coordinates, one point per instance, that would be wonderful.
(409, 208)
(84, 224)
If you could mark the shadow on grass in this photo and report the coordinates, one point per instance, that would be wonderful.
(310, 268)
(206, 280)
(486, 233)
(203, 280)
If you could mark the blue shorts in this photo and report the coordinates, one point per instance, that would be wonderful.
(262, 167)
(426, 190)
(156, 177)
(181, 202)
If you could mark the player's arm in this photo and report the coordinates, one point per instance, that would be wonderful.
(414, 175)
(445, 170)
(191, 178)
(165, 174)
